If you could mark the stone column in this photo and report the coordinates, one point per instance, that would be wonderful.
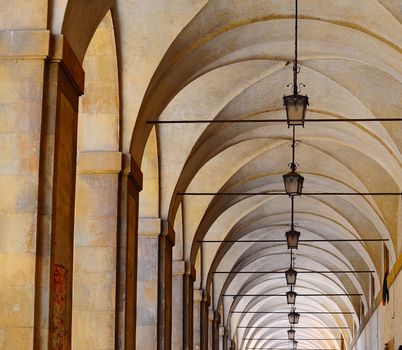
(229, 343)
(222, 339)
(226, 340)
(179, 272)
(211, 332)
(188, 312)
(22, 65)
(134, 186)
(197, 319)
(215, 331)
(64, 83)
(147, 296)
(166, 243)
(95, 250)
(204, 320)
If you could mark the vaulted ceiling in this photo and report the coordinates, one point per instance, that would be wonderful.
(231, 59)
(232, 62)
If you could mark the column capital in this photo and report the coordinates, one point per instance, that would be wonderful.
(179, 267)
(191, 271)
(61, 52)
(217, 317)
(168, 232)
(149, 227)
(198, 295)
(211, 315)
(206, 297)
(131, 168)
(99, 162)
(24, 44)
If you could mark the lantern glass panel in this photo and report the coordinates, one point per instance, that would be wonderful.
(294, 317)
(293, 182)
(291, 297)
(292, 238)
(296, 106)
(291, 334)
(291, 276)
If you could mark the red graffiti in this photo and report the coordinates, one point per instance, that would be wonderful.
(60, 336)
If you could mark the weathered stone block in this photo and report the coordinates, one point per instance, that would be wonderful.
(17, 306)
(99, 162)
(16, 338)
(18, 194)
(93, 330)
(148, 258)
(95, 231)
(94, 291)
(95, 259)
(95, 194)
(17, 270)
(19, 154)
(18, 233)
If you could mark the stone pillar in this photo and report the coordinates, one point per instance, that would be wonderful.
(211, 332)
(134, 186)
(229, 343)
(64, 83)
(147, 272)
(204, 320)
(215, 331)
(226, 342)
(22, 65)
(188, 312)
(179, 271)
(197, 319)
(222, 338)
(166, 243)
(95, 242)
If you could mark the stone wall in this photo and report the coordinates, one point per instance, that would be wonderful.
(384, 325)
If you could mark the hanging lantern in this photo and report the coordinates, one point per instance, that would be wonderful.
(296, 106)
(294, 344)
(291, 276)
(293, 182)
(294, 317)
(291, 297)
(291, 334)
(292, 238)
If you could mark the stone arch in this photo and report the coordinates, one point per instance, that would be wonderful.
(149, 231)
(80, 22)
(96, 211)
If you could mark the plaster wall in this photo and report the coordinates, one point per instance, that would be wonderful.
(385, 324)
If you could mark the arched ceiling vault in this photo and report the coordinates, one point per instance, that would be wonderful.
(232, 61)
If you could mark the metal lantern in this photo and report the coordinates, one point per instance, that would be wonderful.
(293, 182)
(291, 276)
(294, 344)
(296, 106)
(291, 334)
(291, 297)
(294, 317)
(292, 238)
